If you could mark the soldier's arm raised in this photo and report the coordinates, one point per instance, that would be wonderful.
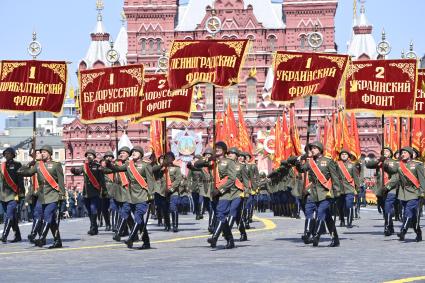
(27, 171)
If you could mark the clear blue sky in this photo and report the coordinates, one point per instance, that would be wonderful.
(64, 27)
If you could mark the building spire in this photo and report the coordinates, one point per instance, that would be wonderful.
(99, 8)
(123, 18)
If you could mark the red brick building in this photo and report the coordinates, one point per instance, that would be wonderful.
(270, 24)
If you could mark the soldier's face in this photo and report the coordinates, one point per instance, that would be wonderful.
(90, 157)
(315, 151)
(241, 159)
(405, 155)
(45, 155)
(38, 155)
(110, 158)
(8, 155)
(124, 155)
(219, 151)
(207, 155)
(387, 153)
(231, 155)
(344, 156)
(135, 155)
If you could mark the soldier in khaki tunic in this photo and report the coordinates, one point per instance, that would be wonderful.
(242, 183)
(195, 179)
(323, 184)
(349, 180)
(36, 206)
(52, 193)
(140, 187)
(94, 184)
(11, 190)
(172, 176)
(253, 178)
(111, 188)
(226, 191)
(411, 178)
(386, 195)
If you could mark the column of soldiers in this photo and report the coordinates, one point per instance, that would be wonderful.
(223, 183)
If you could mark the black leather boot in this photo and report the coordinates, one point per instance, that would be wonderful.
(174, 218)
(6, 230)
(404, 229)
(121, 226)
(40, 242)
(107, 221)
(57, 242)
(418, 234)
(229, 236)
(218, 229)
(133, 236)
(334, 234)
(18, 237)
(317, 232)
(350, 218)
(36, 230)
(145, 238)
(309, 229)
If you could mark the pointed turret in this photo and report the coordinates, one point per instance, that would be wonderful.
(121, 42)
(362, 44)
(99, 45)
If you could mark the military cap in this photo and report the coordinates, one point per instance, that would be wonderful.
(138, 149)
(124, 148)
(47, 148)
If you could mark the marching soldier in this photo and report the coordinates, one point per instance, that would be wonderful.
(263, 193)
(349, 179)
(253, 176)
(11, 190)
(184, 193)
(140, 189)
(94, 184)
(122, 194)
(323, 184)
(111, 187)
(51, 193)
(387, 203)
(237, 210)
(411, 178)
(172, 175)
(196, 182)
(160, 195)
(226, 191)
(209, 202)
(37, 208)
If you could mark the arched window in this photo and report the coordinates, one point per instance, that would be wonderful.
(209, 95)
(158, 45)
(231, 94)
(272, 42)
(151, 46)
(143, 46)
(251, 92)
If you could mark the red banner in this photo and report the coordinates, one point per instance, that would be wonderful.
(160, 102)
(111, 92)
(381, 85)
(218, 62)
(298, 74)
(420, 93)
(28, 86)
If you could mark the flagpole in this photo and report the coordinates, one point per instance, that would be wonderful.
(34, 49)
(411, 55)
(116, 136)
(164, 135)
(383, 48)
(213, 26)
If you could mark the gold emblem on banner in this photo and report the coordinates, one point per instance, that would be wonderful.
(7, 68)
(279, 58)
(407, 68)
(179, 45)
(88, 79)
(58, 69)
(336, 59)
(236, 45)
(354, 68)
(135, 73)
